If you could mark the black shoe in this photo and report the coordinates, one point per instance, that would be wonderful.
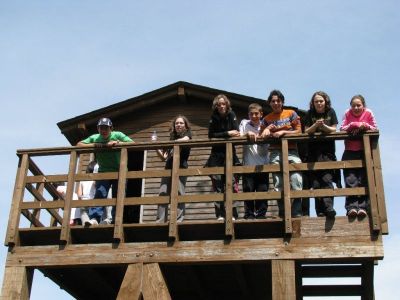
(320, 214)
(330, 213)
(249, 217)
(261, 217)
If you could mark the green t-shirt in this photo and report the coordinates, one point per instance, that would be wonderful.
(108, 160)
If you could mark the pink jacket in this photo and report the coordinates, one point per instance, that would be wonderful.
(351, 122)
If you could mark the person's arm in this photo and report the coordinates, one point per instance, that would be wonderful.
(162, 154)
(79, 192)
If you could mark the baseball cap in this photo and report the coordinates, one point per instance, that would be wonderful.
(104, 122)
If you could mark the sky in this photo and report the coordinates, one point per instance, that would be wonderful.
(60, 59)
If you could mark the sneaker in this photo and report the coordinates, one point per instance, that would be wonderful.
(352, 213)
(330, 213)
(361, 213)
(249, 217)
(261, 217)
(91, 222)
(320, 214)
(106, 221)
(296, 215)
(233, 218)
(220, 218)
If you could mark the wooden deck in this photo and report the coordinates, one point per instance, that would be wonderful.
(195, 259)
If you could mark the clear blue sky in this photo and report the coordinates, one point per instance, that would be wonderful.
(60, 59)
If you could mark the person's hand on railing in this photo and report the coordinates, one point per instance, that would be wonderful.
(233, 133)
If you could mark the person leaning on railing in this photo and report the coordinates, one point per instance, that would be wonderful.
(108, 162)
(321, 117)
(179, 131)
(223, 124)
(276, 124)
(357, 119)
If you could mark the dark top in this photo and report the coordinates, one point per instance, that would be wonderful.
(184, 154)
(218, 128)
(315, 149)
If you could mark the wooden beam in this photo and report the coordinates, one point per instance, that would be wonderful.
(286, 187)
(283, 280)
(229, 230)
(65, 226)
(367, 281)
(380, 192)
(17, 283)
(36, 212)
(154, 285)
(373, 202)
(119, 208)
(18, 195)
(131, 287)
(172, 231)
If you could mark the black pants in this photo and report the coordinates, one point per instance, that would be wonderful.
(257, 182)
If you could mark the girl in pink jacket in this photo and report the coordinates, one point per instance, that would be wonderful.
(356, 120)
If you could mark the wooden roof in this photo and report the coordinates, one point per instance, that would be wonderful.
(76, 128)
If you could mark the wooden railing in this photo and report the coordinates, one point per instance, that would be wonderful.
(31, 209)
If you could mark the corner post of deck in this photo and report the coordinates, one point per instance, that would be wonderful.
(376, 222)
(18, 195)
(172, 233)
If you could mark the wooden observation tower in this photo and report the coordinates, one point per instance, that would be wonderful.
(199, 258)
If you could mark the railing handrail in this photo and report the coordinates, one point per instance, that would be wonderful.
(372, 165)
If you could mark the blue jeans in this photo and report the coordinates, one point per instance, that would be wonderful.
(102, 189)
(296, 180)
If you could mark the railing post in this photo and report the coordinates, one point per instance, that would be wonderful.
(286, 187)
(174, 194)
(36, 212)
(380, 193)
(18, 195)
(376, 222)
(229, 231)
(65, 226)
(119, 207)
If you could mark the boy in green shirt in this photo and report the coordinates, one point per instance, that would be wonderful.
(108, 162)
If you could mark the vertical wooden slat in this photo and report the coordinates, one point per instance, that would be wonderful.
(174, 194)
(283, 280)
(131, 287)
(286, 187)
(65, 226)
(17, 283)
(154, 285)
(15, 212)
(376, 224)
(380, 193)
(229, 231)
(119, 207)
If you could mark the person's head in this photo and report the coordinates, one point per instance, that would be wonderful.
(104, 127)
(180, 124)
(276, 101)
(357, 104)
(221, 104)
(255, 112)
(320, 102)
(91, 167)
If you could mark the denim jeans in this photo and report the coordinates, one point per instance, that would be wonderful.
(102, 188)
(296, 180)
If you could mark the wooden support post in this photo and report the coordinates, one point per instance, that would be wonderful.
(154, 285)
(65, 227)
(367, 281)
(286, 187)
(17, 283)
(18, 195)
(380, 193)
(173, 200)
(375, 221)
(283, 280)
(119, 207)
(143, 281)
(229, 230)
(131, 287)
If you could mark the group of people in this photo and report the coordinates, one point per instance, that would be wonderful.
(321, 117)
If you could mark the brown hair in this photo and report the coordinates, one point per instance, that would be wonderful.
(227, 101)
(326, 98)
(172, 132)
(359, 97)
